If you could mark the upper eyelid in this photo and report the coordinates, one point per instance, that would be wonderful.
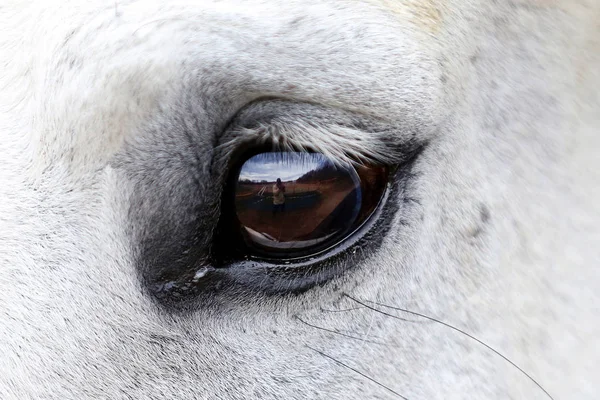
(339, 135)
(341, 144)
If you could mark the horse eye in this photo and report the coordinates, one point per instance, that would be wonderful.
(292, 204)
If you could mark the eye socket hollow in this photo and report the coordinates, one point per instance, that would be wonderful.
(296, 204)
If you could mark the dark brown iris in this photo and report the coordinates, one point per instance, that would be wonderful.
(294, 204)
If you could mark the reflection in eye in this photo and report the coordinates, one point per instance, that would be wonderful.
(297, 203)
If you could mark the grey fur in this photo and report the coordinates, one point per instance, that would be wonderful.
(117, 123)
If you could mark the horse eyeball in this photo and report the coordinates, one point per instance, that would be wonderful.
(292, 204)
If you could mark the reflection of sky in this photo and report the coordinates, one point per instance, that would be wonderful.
(286, 166)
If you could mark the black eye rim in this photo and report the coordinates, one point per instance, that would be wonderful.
(244, 277)
(228, 229)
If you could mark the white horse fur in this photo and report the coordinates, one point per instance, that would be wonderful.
(112, 114)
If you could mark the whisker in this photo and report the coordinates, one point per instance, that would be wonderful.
(379, 311)
(358, 372)
(451, 327)
(338, 332)
(343, 309)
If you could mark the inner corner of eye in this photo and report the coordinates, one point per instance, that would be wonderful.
(297, 203)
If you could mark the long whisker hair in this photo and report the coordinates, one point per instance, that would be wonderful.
(432, 319)
(357, 371)
(336, 332)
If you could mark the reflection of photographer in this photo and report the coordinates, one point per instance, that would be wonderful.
(278, 196)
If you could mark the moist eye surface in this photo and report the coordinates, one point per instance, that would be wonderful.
(293, 204)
